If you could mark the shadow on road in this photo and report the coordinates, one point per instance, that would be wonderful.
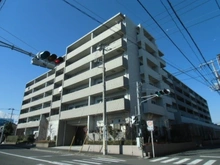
(16, 146)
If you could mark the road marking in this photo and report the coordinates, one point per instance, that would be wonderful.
(158, 159)
(109, 160)
(75, 162)
(169, 160)
(210, 162)
(195, 161)
(31, 158)
(204, 156)
(82, 161)
(181, 161)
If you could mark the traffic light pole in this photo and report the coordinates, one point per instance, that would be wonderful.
(35, 60)
(139, 103)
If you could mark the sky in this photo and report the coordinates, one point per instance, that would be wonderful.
(189, 39)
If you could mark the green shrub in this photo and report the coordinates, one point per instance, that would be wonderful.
(12, 139)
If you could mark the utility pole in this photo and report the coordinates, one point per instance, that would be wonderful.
(12, 109)
(216, 86)
(104, 147)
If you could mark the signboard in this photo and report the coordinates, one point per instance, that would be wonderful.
(150, 125)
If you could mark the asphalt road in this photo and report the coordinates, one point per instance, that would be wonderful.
(18, 156)
(203, 156)
(10, 155)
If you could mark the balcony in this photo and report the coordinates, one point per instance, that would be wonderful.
(35, 113)
(111, 106)
(28, 124)
(116, 83)
(109, 32)
(37, 102)
(115, 64)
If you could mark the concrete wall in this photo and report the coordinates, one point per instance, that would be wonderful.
(160, 149)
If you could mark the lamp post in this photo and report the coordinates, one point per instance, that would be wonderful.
(104, 147)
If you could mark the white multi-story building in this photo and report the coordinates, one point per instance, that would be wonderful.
(67, 102)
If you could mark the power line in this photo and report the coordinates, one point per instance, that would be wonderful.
(172, 41)
(18, 38)
(200, 52)
(107, 26)
(2, 5)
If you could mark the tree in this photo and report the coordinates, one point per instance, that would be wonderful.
(8, 130)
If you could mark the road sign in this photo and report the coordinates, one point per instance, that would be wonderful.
(150, 125)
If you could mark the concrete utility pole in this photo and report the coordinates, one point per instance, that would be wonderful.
(216, 86)
(104, 148)
(12, 109)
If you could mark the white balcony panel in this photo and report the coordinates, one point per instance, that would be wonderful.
(96, 40)
(35, 113)
(37, 102)
(82, 76)
(54, 118)
(28, 124)
(118, 62)
(55, 104)
(59, 78)
(62, 65)
(56, 91)
(43, 90)
(112, 84)
(111, 106)
(49, 78)
(115, 45)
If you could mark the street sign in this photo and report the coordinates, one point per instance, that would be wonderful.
(150, 125)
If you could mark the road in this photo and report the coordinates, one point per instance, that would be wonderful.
(18, 156)
(208, 156)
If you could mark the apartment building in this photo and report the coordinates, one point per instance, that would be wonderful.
(67, 101)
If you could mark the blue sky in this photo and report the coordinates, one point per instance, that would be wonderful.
(38, 25)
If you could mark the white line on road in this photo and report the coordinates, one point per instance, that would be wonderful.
(158, 159)
(210, 162)
(109, 159)
(31, 158)
(75, 160)
(181, 161)
(195, 161)
(76, 163)
(169, 160)
(207, 156)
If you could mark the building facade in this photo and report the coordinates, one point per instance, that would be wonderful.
(66, 103)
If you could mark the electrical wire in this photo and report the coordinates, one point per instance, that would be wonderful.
(180, 31)
(18, 38)
(197, 47)
(172, 41)
(2, 5)
(109, 27)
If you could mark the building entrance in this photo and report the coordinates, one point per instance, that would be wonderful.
(80, 135)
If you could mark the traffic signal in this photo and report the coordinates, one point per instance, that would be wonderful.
(47, 60)
(52, 58)
(134, 119)
(162, 92)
